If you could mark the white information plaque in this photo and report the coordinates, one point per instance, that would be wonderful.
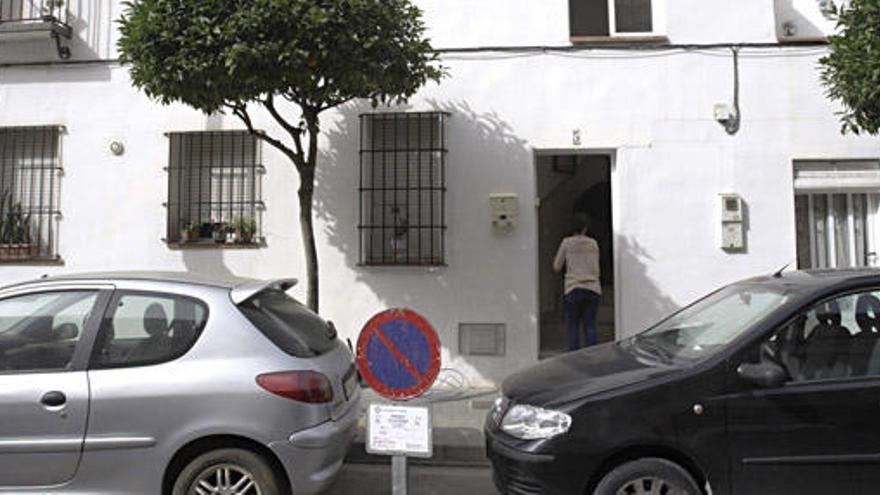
(399, 431)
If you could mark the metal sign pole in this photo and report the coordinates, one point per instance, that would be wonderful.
(398, 475)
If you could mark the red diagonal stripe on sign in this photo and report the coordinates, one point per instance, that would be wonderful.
(399, 355)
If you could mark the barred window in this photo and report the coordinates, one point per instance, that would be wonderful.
(402, 188)
(214, 189)
(29, 185)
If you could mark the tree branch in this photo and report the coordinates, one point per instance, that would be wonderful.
(240, 111)
(295, 132)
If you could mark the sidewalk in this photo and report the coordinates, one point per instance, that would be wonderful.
(374, 479)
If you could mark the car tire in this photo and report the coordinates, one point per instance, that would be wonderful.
(648, 476)
(244, 468)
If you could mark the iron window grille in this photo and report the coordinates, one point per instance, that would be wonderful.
(403, 188)
(30, 180)
(214, 189)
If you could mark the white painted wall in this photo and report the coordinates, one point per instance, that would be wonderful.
(653, 110)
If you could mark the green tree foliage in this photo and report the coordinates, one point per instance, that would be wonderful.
(235, 55)
(851, 72)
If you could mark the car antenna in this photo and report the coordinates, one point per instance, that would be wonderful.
(778, 273)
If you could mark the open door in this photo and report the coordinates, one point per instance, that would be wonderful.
(567, 184)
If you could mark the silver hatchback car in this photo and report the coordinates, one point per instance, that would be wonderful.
(158, 383)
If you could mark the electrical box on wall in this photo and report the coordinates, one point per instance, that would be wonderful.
(732, 218)
(504, 210)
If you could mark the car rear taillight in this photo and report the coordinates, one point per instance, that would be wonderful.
(303, 386)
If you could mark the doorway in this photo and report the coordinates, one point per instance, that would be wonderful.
(569, 183)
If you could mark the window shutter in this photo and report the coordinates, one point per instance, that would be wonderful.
(588, 17)
(633, 16)
(846, 175)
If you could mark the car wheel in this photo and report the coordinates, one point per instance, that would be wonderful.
(227, 471)
(648, 476)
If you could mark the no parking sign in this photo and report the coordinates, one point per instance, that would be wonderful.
(398, 354)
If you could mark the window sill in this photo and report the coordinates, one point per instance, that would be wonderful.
(618, 40)
(404, 264)
(215, 245)
(794, 40)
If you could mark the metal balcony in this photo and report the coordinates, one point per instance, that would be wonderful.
(23, 18)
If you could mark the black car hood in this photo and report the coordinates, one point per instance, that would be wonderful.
(579, 374)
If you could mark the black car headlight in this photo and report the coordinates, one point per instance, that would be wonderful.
(534, 423)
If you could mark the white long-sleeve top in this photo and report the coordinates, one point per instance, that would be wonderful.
(579, 255)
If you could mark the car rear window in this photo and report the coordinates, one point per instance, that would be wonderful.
(289, 324)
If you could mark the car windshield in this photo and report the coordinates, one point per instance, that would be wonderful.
(710, 324)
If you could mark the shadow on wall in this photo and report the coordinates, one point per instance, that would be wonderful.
(208, 262)
(804, 19)
(490, 275)
(644, 303)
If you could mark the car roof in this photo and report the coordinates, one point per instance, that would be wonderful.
(219, 281)
(818, 279)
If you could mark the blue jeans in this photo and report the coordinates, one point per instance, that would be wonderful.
(580, 309)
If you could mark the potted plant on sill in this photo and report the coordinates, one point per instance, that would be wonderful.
(399, 235)
(245, 228)
(15, 231)
(218, 234)
(189, 232)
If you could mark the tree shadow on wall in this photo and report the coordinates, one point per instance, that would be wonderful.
(483, 280)
(644, 302)
(490, 277)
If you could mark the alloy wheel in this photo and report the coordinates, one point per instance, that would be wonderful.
(649, 485)
(225, 479)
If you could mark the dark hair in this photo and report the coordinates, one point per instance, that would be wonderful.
(581, 222)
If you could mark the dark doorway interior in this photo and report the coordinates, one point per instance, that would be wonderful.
(569, 183)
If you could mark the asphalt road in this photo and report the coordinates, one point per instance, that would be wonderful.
(374, 479)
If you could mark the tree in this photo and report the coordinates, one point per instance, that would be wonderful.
(232, 55)
(851, 71)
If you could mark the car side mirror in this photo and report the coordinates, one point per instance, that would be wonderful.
(764, 375)
(67, 331)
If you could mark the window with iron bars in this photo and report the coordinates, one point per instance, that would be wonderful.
(403, 188)
(30, 175)
(214, 189)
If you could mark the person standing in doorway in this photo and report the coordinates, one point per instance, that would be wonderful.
(578, 255)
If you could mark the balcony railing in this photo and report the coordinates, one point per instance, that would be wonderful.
(33, 11)
(37, 16)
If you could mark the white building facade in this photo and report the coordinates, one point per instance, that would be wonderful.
(696, 133)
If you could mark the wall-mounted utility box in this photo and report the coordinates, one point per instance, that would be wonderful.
(732, 218)
(504, 209)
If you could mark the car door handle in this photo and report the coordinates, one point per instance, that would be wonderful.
(54, 399)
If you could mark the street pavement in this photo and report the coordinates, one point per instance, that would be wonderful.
(375, 479)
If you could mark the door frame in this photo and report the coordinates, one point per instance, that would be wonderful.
(611, 153)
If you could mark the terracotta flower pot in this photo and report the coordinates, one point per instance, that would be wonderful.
(12, 252)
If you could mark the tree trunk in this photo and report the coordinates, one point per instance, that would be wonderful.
(306, 195)
(306, 200)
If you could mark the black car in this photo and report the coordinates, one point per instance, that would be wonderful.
(767, 386)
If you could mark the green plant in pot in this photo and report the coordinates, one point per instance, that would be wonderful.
(219, 232)
(189, 231)
(15, 229)
(245, 228)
